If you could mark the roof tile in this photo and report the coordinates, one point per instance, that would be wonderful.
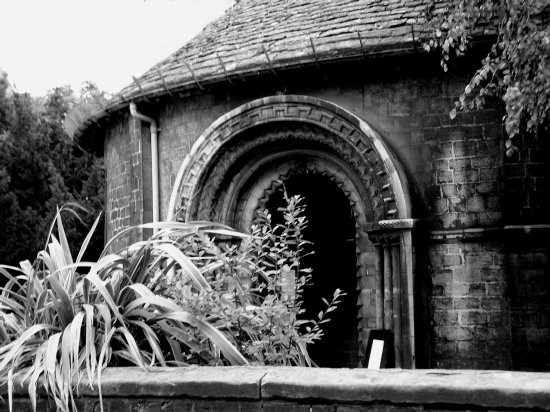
(284, 28)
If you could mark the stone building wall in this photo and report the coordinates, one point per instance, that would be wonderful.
(118, 162)
(128, 180)
(465, 193)
(470, 308)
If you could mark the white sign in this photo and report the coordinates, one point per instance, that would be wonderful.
(375, 358)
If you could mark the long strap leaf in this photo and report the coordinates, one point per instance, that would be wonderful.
(217, 337)
(13, 348)
(187, 266)
(87, 239)
(98, 283)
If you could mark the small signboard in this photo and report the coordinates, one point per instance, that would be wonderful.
(380, 351)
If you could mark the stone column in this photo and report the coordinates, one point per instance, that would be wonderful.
(388, 288)
(394, 274)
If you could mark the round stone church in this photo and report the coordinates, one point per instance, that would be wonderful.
(435, 235)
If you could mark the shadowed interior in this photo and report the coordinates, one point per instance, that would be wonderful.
(331, 229)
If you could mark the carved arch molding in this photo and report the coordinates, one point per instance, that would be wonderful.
(236, 164)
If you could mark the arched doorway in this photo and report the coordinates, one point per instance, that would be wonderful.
(232, 171)
(331, 231)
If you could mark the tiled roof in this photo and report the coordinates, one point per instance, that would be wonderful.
(257, 35)
(266, 35)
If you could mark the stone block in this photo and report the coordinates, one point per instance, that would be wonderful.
(468, 175)
(444, 177)
(453, 333)
(490, 274)
(492, 131)
(459, 133)
(443, 277)
(442, 150)
(496, 289)
(465, 148)
(473, 317)
(474, 349)
(445, 317)
(478, 260)
(440, 206)
(445, 349)
(466, 189)
(457, 204)
(467, 303)
(460, 163)
(441, 302)
(448, 220)
(458, 289)
(498, 318)
(489, 173)
(467, 220)
(449, 190)
(451, 260)
(494, 303)
(230, 382)
(466, 275)
(484, 161)
(441, 165)
(284, 406)
(477, 289)
(323, 408)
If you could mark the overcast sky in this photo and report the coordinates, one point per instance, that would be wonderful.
(49, 43)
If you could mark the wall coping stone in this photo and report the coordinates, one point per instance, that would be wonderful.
(464, 387)
(481, 389)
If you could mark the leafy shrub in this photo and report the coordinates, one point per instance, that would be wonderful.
(181, 297)
(256, 291)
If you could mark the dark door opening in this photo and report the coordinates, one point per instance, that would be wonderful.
(331, 229)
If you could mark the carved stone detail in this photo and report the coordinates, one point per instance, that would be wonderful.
(341, 133)
(217, 179)
(217, 182)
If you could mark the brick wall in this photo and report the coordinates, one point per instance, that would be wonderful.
(529, 303)
(470, 306)
(466, 157)
(128, 180)
(455, 165)
(460, 182)
(118, 164)
(305, 390)
(526, 181)
(525, 202)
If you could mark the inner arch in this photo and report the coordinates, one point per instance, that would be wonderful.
(331, 229)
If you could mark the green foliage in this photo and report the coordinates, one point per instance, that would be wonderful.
(61, 325)
(256, 291)
(40, 168)
(182, 297)
(517, 68)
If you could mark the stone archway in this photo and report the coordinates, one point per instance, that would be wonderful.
(234, 168)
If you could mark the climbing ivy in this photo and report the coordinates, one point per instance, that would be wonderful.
(517, 67)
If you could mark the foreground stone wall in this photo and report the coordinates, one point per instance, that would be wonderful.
(307, 389)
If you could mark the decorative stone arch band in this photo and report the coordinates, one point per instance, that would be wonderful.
(232, 170)
(354, 131)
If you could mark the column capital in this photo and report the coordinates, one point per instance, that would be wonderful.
(388, 230)
(393, 224)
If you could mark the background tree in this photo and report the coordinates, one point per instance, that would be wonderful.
(41, 168)
(517, 68)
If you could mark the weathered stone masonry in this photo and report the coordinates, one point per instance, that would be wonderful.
(461, 189)
(264, 389)
(475, 255)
